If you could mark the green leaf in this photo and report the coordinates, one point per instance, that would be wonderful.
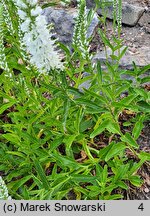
(13, 138)
(126, 124)
(144, 106)
(104, 175)
(75, 92)
(122, 185)
(90, 16)
(136, 181)
(145, 80)
(99, 72)
(68, 140)
(96, 96)
(127, 138)
(85, 125)
(6, 106)
(19, 154)
(121, 89)
(38, 182)
(144, 69)
(15, 185)
(105, 39)
(78, 119)
(103, 152)
(66, 161)
(145, 155)
(138, 128)
(142, 92)
(127, 100)
(41, 174)
(65, 48)
(121, 172)
(115, 197)
(51, 4)
(54, 144)
(87, 103)
(100, 128)
(122, 53)
(66, 113)
(137, 166)
(87, 150)
(82, 178)
(113, 127)
(115, 149)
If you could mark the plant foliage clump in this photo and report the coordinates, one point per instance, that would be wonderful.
(62, 139)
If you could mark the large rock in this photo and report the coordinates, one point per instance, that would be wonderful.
(64, 21)
(130, 13)
(145, 21)
(140, 56)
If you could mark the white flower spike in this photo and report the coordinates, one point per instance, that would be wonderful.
(37, 39)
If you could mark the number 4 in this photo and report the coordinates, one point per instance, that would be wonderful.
(141, 207)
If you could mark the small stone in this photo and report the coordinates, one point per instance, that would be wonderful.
(20, 61)
(146, 190)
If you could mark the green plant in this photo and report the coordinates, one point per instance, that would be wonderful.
(51, 129)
